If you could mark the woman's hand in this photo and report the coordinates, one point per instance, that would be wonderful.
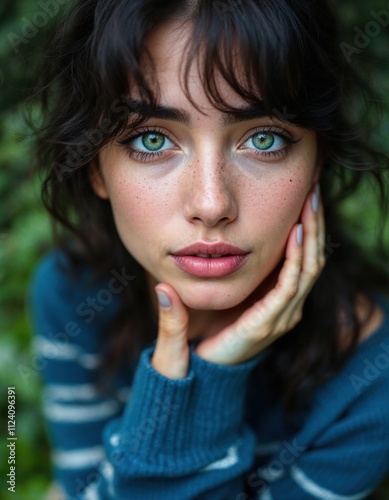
(261, 324)
(171, 353)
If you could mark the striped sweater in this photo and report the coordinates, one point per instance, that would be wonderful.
(217, 434)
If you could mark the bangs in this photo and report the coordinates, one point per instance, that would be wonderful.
(269, 53)
(282, 57)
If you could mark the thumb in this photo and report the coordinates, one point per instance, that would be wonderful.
(171, 354)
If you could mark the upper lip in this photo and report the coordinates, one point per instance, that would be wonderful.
(219, 248)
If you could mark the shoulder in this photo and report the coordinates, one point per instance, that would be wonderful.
(61, 298)
(54, 275)
(364, 379)
(353, 405)
(55, 280)
(369, 367)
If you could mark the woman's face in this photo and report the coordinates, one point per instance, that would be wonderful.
(206, 178)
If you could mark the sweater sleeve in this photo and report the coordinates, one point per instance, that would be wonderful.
(180, 439)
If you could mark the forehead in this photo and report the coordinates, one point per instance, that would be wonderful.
(167, 47)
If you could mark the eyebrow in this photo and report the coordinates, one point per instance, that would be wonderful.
(180, 115)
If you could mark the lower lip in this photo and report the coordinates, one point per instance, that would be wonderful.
(210, 268)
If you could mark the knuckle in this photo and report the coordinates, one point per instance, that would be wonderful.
(312, 263)
(311, 271)
(283, 326)
(171, 329)
(291, 291)
(322, 261)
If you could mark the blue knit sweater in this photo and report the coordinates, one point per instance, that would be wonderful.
(216, 434)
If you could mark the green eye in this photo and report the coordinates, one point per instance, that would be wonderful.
(153, 142)
(263, 141)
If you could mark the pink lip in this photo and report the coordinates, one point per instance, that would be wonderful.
(230, 259)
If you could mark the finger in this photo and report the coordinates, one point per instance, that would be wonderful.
(288, 280)
(260, 325)
(310, 266)
(276, 301)
(171, 354)
(288, 287)
(313, 252)
(313, 260)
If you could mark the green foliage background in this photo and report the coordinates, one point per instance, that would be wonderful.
(25, 228)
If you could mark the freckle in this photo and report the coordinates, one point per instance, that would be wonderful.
(290, 180)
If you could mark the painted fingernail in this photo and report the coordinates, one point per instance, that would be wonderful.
(163, 299)
(300, 235)
(315, 199)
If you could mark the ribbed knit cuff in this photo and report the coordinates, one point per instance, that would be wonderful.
(174, 426)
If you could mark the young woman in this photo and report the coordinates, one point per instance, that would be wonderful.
(208, 327)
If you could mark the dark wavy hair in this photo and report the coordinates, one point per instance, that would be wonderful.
(293, 67)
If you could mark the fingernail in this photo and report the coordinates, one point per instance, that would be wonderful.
(163, 299)
(300, 235)
(315, 199)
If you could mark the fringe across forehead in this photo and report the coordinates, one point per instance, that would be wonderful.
(282, 54)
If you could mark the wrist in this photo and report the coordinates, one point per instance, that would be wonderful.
(172, 361)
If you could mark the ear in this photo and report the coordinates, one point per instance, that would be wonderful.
(96, 179)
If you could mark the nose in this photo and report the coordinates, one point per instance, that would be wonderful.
(211, 197)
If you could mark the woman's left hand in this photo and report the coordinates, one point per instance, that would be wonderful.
(281, 308)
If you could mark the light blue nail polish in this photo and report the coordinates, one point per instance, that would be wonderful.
(300, 235)
(315, 201)
(163, 299)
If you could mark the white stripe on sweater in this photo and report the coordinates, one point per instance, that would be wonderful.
(78, 459)
(108, 472)
(317, 491)
(77, 392)
(225, 463)
(114, 439)
(55, 350)
(91, 493)
(81, 392)
(63, 351)
(265, 495)
(82, 413)
(89, 361)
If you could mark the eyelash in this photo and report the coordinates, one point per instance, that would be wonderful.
(144, 156)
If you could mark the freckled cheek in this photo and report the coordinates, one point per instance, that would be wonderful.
(278, 208)
(137, 208)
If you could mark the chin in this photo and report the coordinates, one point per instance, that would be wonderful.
(216, 302)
